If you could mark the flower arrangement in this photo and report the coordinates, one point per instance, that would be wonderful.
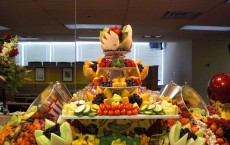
(12, 76)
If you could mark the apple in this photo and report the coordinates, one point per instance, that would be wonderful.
(219, 88)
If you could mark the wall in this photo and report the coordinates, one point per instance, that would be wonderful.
(177, 62)
(209, 57)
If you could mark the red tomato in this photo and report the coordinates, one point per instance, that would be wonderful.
(137, 108)
(117, 112)
(129, 112)
(115, 107)
(105, 112)
(108, 107)
(102, 107)
(111, 112)
(120, 106)
(99, 112)
(129, 106)
(123, 111)
(134, 112)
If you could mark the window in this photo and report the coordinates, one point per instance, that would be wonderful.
(66, 52)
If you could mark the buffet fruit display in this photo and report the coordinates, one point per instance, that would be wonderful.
(115, 109)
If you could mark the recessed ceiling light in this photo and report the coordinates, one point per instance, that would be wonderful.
(28, 38)
(89, 38)
(90, 26)
(158, 36)
(4, 28)
(205, 28)
(147, 36)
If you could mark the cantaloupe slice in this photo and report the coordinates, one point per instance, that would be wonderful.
(66, 132)
(90, 96)
(135, 91)
(99, 90)
(144, 72)
(125, 93)
(57, 140)
(108, 93)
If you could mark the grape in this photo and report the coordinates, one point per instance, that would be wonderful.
(106, 84)
(54, 129)
(99, 98)
(130, 83)
(140, 67)
(94, 66)
(135, 99)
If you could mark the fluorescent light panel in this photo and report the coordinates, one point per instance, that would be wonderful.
(4, 28)
(89, 38)
(90, 26)
(205, 28)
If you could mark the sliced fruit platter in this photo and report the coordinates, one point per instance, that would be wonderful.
(126, 103)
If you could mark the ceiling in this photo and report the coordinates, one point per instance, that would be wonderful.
(46, 19)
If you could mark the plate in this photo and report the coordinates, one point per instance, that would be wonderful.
(123, 117)
(112, 52)
(118, 88)
(117, 68)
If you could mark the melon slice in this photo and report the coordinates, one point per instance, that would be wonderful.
(174, 133)
(60, 120)
(190, 142)
(200, 133)
(126, 41)
(43, 140)
(49, 123)
(110, 41)
(188, 125)
(144, 73)
(38, 133)
(108, 93)
(200, 141)
(66, 132)
(99, 90)
(57, 140)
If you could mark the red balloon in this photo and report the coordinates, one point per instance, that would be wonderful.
(219, 88)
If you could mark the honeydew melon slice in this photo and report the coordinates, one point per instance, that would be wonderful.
(200, 133)
(190, 142)
(127, 37)
(60, 120)
(174, 135)
(66, 132)
(38, 133)
(57, 140)
(43, 140)
(200, 141)
(110, 41)
(188, 125)
(49, 123)
(102, 33)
